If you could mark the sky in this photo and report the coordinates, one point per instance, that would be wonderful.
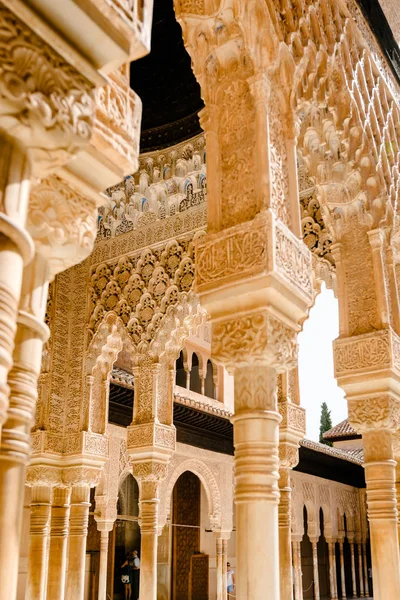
(317, 382)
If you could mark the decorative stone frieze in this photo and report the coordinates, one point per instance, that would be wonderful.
(151, 435)
(376, 351)
(260, 248)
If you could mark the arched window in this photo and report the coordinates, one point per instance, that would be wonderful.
(209, 388)
(180, 376)
(195, 383)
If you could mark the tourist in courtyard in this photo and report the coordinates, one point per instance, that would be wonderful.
(230, 580)
(126, 575)
(135, 575)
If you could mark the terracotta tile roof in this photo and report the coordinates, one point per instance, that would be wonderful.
(342, 430)
(354, 455)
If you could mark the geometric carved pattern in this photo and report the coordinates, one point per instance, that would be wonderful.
(141, 289)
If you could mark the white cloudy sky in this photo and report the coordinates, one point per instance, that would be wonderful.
(317, 382)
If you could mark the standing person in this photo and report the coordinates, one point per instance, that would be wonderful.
(126, 577)
(135, 575)
(230, 580)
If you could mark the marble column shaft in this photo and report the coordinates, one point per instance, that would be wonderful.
(298, 577)
(78, 528)
(149, 539)
(16, 250)
(360, 570)
(342, 571)
(382, 513)
(256, 438)
(365, 563)
(40, 512)
(353, 570)
(103, 563)
(285, 543)
(332, 570)
(315, 569)
(59, 527)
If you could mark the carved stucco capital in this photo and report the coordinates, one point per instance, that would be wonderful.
(257, 337)
(374, 412)
(62, 223)
(288, 458)
(44, 101)
(149, 471)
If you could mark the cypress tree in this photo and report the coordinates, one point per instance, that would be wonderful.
(325, 423)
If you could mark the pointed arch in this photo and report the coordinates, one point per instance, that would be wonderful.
(210, 484)
(103, 350)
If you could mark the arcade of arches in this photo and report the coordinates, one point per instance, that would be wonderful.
(178, 179)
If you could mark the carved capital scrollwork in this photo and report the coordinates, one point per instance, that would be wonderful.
(79, 476)
(288, 458)
(254, 337)
(62, 223)
(44, 101)
(43, 475)
(149, 471)
(381, 411)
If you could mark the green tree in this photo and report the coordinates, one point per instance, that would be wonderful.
(325, 423)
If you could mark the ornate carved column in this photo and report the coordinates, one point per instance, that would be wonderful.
(40, 510)
(105, 516)
(291, 431)
(332, 569)
(367, 367)
(360, 570)
(59, 527)
(81, 480)
(150, 444)
(298, 576)
(315, 568)
(253, 274)
(15, 439)
(149, 476)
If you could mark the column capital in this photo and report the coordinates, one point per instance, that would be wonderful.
(288, 456)
(375, 412)
(149, 471)
(105, 510)
(62, 222)
(81, 476)
(47, 104)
